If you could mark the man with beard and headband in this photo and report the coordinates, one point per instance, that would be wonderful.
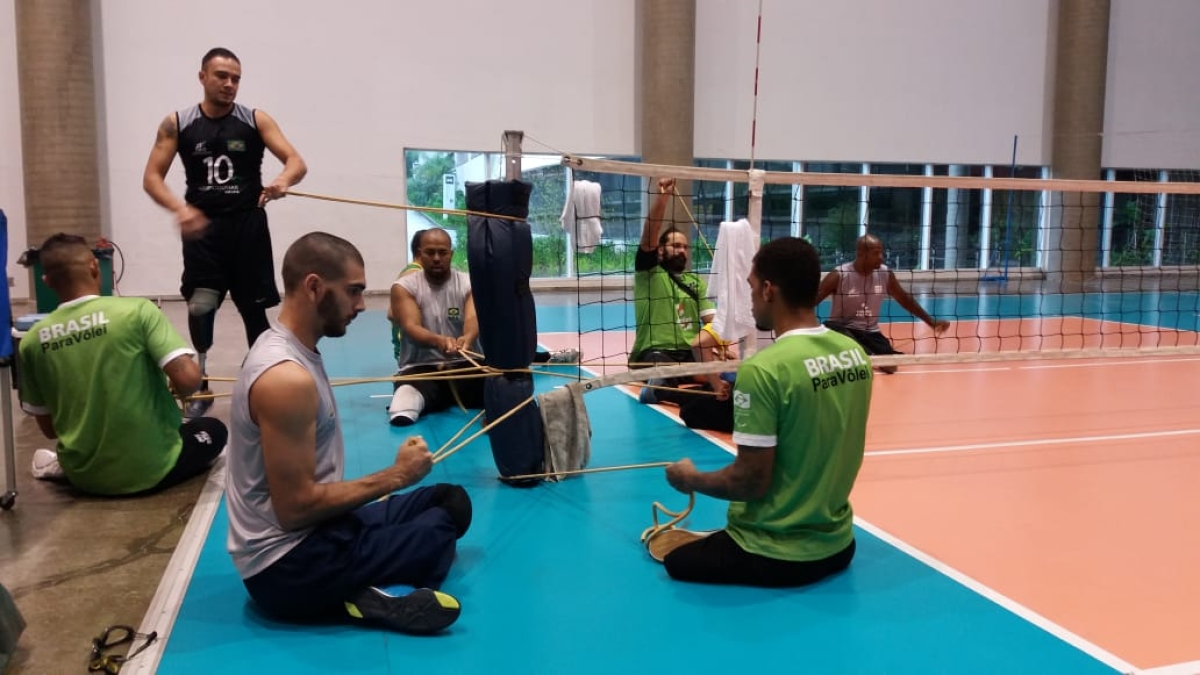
(671, 304)
(309, 544)
(800, 422)
(435, 316)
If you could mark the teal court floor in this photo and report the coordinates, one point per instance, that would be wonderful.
(554, 580)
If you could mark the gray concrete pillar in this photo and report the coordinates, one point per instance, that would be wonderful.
(667, 44)
(1081, 67)
(58, 118)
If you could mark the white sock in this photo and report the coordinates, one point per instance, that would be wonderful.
(406, 402)
(46, 466)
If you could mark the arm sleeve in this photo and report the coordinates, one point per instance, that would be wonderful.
(644, 261)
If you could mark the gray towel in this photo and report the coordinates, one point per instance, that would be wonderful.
(568, 432)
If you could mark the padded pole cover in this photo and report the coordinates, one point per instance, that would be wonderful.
(6, 342)
(500, 258)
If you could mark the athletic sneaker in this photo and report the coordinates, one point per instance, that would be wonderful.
(564, 356)
(197, 406)
(422, 612)
(46, 466)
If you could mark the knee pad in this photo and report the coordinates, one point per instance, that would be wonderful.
(406, 406)
(203, 301)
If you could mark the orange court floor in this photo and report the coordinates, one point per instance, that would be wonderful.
(1064, 489)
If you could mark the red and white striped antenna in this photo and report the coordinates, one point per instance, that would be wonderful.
(754, 114)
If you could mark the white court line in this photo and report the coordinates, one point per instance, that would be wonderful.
(1109, 363)
(970, 583)
(1100, 362)
(1104, 656)
(1040, 441)
(1189, 668)
(167, 600)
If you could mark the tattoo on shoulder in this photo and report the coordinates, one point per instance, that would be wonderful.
(167, 129)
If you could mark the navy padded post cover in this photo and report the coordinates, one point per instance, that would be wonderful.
(6, 341)
(500, 259)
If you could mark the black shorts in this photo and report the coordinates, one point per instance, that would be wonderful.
(718, 559)
(444, 394)
(233, 255)
(872, 341)
(647, 356)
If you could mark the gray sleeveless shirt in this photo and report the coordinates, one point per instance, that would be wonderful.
(255, 538)
(859, 296)
(443, 309)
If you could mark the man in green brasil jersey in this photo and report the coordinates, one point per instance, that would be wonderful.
(92, 375)
(800, 417)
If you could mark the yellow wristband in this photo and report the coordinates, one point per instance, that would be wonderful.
(712, 331)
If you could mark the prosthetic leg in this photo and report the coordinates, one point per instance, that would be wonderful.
(202, 320)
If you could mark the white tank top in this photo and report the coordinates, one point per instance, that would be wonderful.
(443, 309)
(859, 296)
(255, 538)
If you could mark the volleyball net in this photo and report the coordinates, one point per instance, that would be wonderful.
(1022, 267)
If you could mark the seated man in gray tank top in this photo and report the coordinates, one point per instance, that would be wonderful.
(309, 544)
(435, 315)
(859, 289)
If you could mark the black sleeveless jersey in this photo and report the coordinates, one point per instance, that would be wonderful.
(223, 159)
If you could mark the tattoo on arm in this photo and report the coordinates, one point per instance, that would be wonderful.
(167, 129)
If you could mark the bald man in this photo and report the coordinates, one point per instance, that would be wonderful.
(858, 289)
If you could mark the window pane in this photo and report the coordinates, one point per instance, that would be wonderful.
(831, 215)
(1181, 234)
(894, 215)
(1133, 223)
(435, 181)
(1016, 215)
(954, 241)
(621, 216)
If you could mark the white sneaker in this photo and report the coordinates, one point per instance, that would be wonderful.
(46, 466)
(564, 356)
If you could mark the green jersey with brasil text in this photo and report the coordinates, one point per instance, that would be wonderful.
(95, 366)
(666, 315)
(807, 395)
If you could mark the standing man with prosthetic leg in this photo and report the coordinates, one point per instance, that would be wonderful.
(226, 241)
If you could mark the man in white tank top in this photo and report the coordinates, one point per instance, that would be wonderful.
(858, 289)
(310, 544)
(435, 313)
